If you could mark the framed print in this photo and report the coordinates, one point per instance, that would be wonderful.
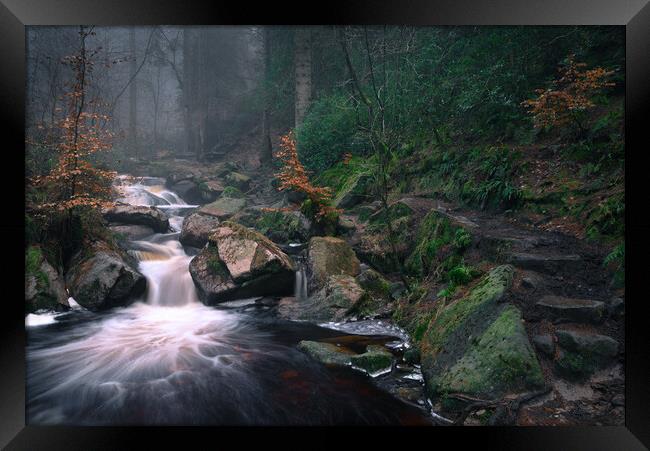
(417, 215)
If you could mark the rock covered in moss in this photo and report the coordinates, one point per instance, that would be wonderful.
(223, 208)
(238, 180)
(374, 361)
(239, 262)
(478, 346)
(278, 225)
(197, 228)
(328, 256)
(102, 277)
(326, 353)
(44, 285)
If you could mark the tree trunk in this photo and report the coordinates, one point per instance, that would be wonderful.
(133, 96)
(302, 65)
(133, 93)
(187, 90)
(267, 147)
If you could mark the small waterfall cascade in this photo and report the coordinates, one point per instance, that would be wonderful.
(300, 287)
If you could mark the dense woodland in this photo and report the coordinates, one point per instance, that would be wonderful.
(438, 154)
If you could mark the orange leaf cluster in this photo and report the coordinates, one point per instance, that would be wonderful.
(293, 176)
(570, 93)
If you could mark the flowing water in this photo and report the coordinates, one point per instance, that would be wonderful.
(168, 359)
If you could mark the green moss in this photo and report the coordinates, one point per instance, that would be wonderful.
(500, 361)
(576, 366)
(483, 296)
(33, 259)
(434, 232)
(375, 359)
(231, 192)
(280, 226)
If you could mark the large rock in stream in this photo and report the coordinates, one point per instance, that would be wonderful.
(102, 277)
(329, 256)
(477, 346)
(151, 217)
(44, 285)
(223, 208)
(340, 296)
(238, 263)
(197, 227)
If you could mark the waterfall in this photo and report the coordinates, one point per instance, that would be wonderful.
(164, 263)
(300, 288)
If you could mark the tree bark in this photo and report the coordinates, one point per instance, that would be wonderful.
(267, 147)
(133, 96)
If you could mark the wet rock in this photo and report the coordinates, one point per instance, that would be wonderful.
(326, 353)
(567, 309)
(189, 191)
(336, 300)
(583, 352)
(330, 256)
(544, 343)
(616, 307)
(210, 190)
(376, 359)
(412, 356)
(223, 208)
(498, 360)
(131, 232)
(44, 285)
(138, 215)
(239, 263)
(618, 400)
(196, 229)
(101, 277)
(549, 264)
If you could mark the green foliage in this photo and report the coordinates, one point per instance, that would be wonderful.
(607, 218)
(232, 193)
(616, 258)
(329, 130)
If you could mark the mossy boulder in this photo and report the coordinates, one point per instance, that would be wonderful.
(223, 208)
(197, 228)
(500, 361)
(239, 262)
(328, 256)
(478, 345)
(326, 353)
(278, 225)
(238, 180)
(376, 360)
(44, 285)
(101, 276)
(340, 297)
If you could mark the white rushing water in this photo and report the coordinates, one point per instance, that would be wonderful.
(169, 359)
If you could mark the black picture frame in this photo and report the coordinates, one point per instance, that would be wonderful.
(633, 14)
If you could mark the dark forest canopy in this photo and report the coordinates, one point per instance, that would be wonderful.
(195, 90)
(465, 103)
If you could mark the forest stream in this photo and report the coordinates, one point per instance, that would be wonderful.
(169, 359)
